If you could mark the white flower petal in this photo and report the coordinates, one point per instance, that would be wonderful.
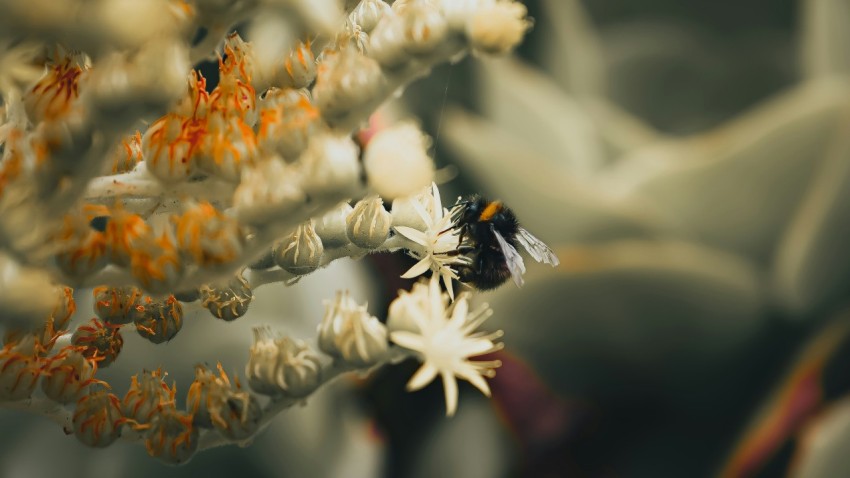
(473, 377)
(418, 269)
(422, 377)
(450, 386)
(408, 340)
(412, 234)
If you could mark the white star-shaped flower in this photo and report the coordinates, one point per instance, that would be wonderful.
(434, 244)
(446, 341)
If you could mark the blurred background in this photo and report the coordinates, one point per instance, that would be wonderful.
(690, 164)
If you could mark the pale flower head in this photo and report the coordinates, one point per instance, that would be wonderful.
(446, 340)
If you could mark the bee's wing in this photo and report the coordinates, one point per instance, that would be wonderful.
(512, 259)
(535, 247)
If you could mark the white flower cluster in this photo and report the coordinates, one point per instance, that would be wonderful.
(256, 179)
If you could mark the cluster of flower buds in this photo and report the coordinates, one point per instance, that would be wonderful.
(281, 366)
(210, 133)
(349, 333)
(216, 402)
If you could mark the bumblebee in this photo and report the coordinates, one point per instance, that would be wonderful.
(489, 237)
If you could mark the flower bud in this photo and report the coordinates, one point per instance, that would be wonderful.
(263, 363)
(349, 333)
(82, 250)
(19, 369)
(239, 417)
(101, 342)
(173, 438)
(299, 67)
(331, 227)
(298, 371)
(386, 43)
(396, 161)
(346, 80)
(368, 225)
(228, 302)
(160, 320)
(97, 419)
(367, 13)
(68, 376)
(331, 165)
(267, 191)
(171, 145)
(281, 366)
(64, 309)
(424, 28)
(230, 146)
(147, 397)
(288, 120)
(126, 155)
(207, 236)
(215, 402)
(156, 263)
(123, 230)
(400, 316)
(117, 305)
(498, 28)
(301, 252)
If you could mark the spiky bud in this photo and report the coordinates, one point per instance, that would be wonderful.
(101, 342)
(68, 375)
(349, 333)
(173, 438)
(301, 252)
(147, 397)
(97, 419)
(228, 302)
(368, 225)
(160, 320)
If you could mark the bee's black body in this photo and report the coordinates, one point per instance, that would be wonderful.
(479, 220)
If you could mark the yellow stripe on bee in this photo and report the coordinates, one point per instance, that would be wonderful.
(490, 211)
